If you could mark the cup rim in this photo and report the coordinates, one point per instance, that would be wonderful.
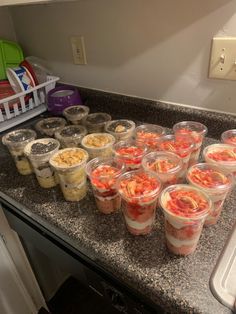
(98, 148)
(5, 140)
(193, 123)
(102, 161)
(27, 150)
(219, 162)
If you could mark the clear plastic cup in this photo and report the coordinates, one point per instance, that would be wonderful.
(39, 152)
(168, 166)
(180, 145)
(16, 142)
(129, 154)
(229, 137)
(148, 134)
(211, 180)
(139, 191)
(95, 122)
(71, 135)
(197, 131)
(76, 114)
(120, 129)
(49, 126)
(69, 164)
(103, 174)
(98, 144)
(185, 209)
(221, 155)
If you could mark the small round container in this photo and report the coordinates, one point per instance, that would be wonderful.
(49, 126)
(95, 122)
(120, 129)
(214, 183)
(16, 142)
(139, 191)
(185, 209)
(71, 135)
(168, 166)
(69, 164)
(180, 145)
(197, 131)
(39, 152)
(229, 137)
(76, 114)
(148, 134)
(129, 154)
(103, 174)
(221, 155)
(98, 144)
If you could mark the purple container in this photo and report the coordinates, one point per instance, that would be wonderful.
(62, 97)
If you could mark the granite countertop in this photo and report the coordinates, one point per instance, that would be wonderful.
(178, 284)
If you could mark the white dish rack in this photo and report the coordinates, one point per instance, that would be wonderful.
(14, 110)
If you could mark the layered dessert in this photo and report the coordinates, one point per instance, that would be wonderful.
(71, 135)
(214, 183)
(229, 137)
(120, 129)
(95, 122)
(221, 155)
(185, 210)
(139, 191)
(103, 174)
(16, 142)
(39, 152)
(168, 166)
(76, 114)
(69, 164)
(196, 131)
(180, 145)
(147, 135)
(129, 154)
(98, 144)
(49, 126)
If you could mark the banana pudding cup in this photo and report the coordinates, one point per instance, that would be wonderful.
(120, 129)
(98, 144)
(71, 135)
(49, 126)
(76, 114)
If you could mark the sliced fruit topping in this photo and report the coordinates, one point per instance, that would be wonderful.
(162, 165)
(223, 155)
(208, 177)
(231, 140)
(178, 146)
(104, 176)
(120, 128)
(131, 151)
(195, 135)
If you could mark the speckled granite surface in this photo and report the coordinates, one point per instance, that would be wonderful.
(179, 285)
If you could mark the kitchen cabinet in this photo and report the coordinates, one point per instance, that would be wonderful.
(18, 2)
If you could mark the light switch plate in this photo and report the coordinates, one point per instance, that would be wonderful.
(223, 58)
(78, 50)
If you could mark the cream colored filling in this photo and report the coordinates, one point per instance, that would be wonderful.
(47, 182)
(138, 225)
(178, 243)
(23, 166)
(74, 194)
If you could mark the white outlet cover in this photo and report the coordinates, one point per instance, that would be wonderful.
(78, 50)
(223, 58)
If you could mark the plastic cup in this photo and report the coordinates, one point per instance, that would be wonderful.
(39, 152)
(16, 142)
(217, 185)
(120, 129)
(229, 137)
(76, 114)
(168, 166)
(95, 122)
(197, 131)
(103, 174)
(98, 144)
(71, 135)
(69, 164)
(221, 155)
(185, 209)
(139, 191)
(180, 145)
(147, 135)
(49, 126)
(129, 154)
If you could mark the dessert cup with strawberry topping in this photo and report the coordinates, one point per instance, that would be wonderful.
(197, 131)
(180, 145)
(223, 156)
(98, 144)
(168, 166)
(229, 137)
(185, 209)
(71, 135)
(69, 164)
(129, 153)
(103, 174)
(147, 135)
(139, 191)
(214, 183)
(120, 129)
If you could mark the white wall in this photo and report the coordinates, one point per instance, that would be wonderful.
(157, 49)
(6, 25)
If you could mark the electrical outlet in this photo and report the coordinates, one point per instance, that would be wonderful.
(223, 58)
(78, 50)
